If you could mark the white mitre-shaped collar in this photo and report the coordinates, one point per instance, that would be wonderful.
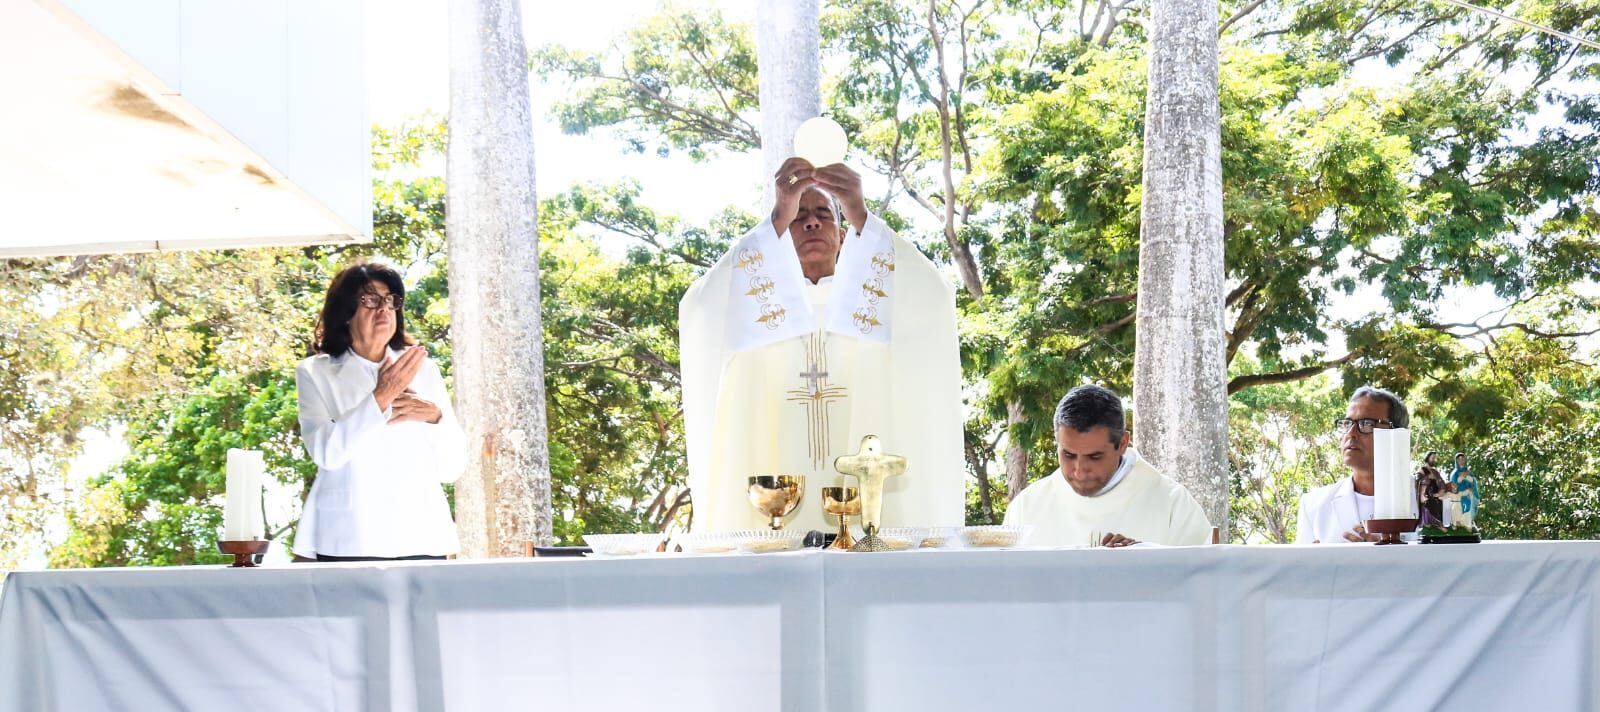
(767, 297)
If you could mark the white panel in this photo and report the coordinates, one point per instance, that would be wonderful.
(700, 658)
(949, 656)
(1499, 648)
(330, 152)
(297, 663)
(236, 70)
(116, 160)
(148, 30)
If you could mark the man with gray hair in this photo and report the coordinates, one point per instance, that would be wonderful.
(1339, 512)
(1104, 494)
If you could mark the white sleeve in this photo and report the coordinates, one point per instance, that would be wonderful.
(449, 443)
(701, 354)
(1189, 525)
(331, 438)
(1303, 533)
(1016, 511)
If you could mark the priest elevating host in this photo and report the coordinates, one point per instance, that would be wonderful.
(807, 336)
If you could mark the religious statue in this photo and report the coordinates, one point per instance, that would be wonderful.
(1430, 485)
(1452, 522)
(1464, 483)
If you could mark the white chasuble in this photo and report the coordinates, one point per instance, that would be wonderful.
(781, 376)
(1144, 506)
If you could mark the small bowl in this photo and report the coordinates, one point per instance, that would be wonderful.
(764, 541)
(940, 537)
(624, 544)
(708, 543)
(902, 538)
(996, 536)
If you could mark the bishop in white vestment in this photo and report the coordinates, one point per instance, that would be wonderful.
(1104, 493)
(800, 341)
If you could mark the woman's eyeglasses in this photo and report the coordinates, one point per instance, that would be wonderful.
(379, 301)
(1365, 425)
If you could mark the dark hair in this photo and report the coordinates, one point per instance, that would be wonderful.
(1088, 406)
(332, 333)
(1398, 415)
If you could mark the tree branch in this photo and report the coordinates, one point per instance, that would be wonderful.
(1240, 383)
(1480, 330)
(959, 251)
(1113, 299)
(1237, 16)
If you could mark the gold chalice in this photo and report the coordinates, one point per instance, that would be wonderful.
(776, 496)
(843, 501)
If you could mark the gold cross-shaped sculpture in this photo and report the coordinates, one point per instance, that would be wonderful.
(871, 466)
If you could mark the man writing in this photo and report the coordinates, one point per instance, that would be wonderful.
(1104, 493)
(1339, 512)
(806, 337)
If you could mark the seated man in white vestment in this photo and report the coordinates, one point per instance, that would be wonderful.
(1104, 494)
(806, 337)
(1339, 512)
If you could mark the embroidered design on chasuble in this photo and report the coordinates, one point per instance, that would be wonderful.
(873, 290)
(815, 397)
(751, 261)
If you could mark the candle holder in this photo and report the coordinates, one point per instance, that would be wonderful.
(244, 551)
(1391, 529)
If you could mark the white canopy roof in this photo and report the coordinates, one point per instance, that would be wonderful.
(137, 125)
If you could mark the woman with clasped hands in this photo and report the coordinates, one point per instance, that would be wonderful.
(376, 419)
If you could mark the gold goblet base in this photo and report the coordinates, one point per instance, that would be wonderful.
(841, 501)
(843, 541)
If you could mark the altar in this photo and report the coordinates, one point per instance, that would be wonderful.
(1490, 626)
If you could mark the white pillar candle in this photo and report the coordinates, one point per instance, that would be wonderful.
(241, 517)
(1394, 497)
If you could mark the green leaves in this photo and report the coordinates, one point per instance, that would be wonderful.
(679, 81)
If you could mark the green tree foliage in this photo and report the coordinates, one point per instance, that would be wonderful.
(1376, 157)
(680, 78)
(161, 506)
(611, 357)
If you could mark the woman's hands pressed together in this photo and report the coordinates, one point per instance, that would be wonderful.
(395, 375)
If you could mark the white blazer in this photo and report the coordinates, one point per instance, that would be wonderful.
(377, 491)
(1327, 512)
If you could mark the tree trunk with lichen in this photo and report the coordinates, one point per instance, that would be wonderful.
(1180, 368)
(503, 499)
(788, 48)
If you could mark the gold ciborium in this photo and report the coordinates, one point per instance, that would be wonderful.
(843, 501)
(776, 496)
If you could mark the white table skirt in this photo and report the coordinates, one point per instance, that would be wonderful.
(1491, 626)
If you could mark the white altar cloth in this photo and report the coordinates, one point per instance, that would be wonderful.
(1471, 627)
